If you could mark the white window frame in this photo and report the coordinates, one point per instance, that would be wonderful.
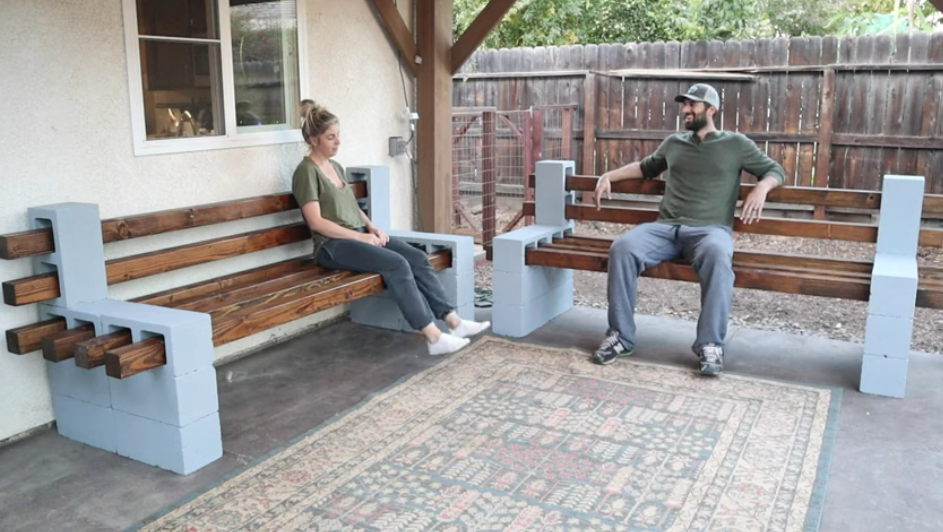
(233, 138)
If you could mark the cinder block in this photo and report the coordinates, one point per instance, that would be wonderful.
(520, 320)
(888, 337)
(550, 193)
(379, 310)
(508, 249)
(79, 257)
(466, 312)
(884, 376)
(459, 287)
(182, 450)
(157, 395)
(86, 385)
(901, 208)
(535, 281)
(84, 422)
(462, 246)
(188, 336)
(378, 200)
(74, 317)
(893, 285)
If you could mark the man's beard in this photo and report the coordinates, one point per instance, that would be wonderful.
(698, 123)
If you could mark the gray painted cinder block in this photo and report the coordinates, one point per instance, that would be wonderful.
(901, 208)
(888, 337)
(522, 288)
(75, 316)
(380, 311)
(378, 200)
(893, 285)
(85, 423)
(884, 376)
(550, 193)
(508, 249)
(520, 320)
(86, 385)
(182, 450)
(157, 395)
(79, 257)
(188, 336)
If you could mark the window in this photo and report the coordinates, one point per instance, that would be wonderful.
(210, 74)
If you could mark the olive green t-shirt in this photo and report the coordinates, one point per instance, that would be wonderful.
(703, 183)
(338, 205)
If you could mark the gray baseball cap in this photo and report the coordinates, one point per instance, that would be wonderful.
(701, 92)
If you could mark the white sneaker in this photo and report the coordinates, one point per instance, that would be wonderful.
(470, 328)
(446, 344)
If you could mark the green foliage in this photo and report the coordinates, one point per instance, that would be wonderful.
(561, 22)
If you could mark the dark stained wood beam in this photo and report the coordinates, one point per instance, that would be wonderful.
(475, 34)
(61, 346)
(434, 94)
(139, 357)
(91, 353)
(46, 286)
(29, 338)
(938, 4)
(398, 32)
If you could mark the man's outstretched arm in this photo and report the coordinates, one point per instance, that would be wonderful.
(649, 167)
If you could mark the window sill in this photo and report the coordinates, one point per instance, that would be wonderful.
(192, 144)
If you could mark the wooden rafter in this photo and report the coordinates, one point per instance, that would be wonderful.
(475, 34)
(398, 32)
(938, 4)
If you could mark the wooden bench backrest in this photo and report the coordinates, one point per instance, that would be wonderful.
(45, 286)
(616, 211)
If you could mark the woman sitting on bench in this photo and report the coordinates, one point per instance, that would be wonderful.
(345, 239)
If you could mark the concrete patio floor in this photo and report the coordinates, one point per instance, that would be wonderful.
(886, 474)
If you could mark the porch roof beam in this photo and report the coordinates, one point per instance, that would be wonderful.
(398, 32)
(475, 34)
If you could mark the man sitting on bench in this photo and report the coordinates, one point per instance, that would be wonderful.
(695, 221)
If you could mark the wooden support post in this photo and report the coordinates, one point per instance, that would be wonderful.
(566, 133)
(588, 166)
(529, 167)
(488, 175)
(61, 346)
(824, 153)
(434, 91)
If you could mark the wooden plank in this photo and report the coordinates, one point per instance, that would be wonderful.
(914, 98)
(858, 162)
(61, 345)
(807, 87)
(837, 139)
(630, 120)
(823, 154)
(139, 357)
(29, 338)
(26, 243)
(476, 32)
(91, 353)
(217, 299)
(731, 101)
(590, 89)
(46, 286)
(39, 241)
(265, 296)
(399, 33)
(842, 110)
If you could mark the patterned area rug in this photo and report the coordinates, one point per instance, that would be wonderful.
(514, 437)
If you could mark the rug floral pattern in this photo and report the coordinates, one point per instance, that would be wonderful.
(508, 436)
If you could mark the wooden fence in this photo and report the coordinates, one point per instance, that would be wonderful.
(835, 112)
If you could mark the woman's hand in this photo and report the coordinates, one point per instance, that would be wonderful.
(369, 238)
(377, 232)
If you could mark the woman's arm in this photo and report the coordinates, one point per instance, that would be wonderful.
(312, 215)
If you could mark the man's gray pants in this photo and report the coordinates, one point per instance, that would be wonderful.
(709, 249)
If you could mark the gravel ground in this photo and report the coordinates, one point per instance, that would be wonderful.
(757, 309)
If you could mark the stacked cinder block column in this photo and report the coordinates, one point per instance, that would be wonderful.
(527, 297)
(168, 417)
(381, 310)
(893, 288)
(81, 399)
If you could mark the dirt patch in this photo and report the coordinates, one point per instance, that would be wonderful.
(756, 309)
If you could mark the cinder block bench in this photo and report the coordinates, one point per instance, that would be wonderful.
(533, 266)
(136, 377)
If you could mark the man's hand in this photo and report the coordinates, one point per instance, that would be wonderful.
(377, 232)
(752, 208)
(602, 186)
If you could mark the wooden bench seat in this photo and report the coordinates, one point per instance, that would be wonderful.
(159, 405)
(533, 266)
